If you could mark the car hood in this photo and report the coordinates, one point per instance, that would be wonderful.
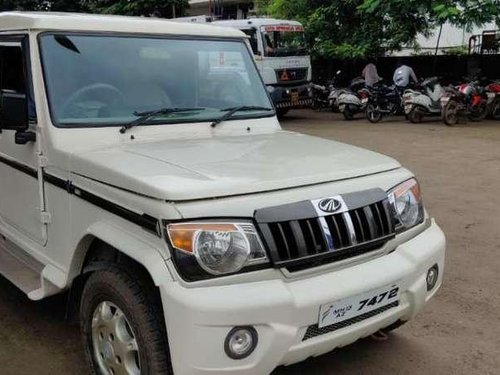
(219, 166)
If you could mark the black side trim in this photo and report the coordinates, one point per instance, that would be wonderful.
(20, 167)
(145, 221)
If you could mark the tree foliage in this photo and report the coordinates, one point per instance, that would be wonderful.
(157, 8)
(363, 28)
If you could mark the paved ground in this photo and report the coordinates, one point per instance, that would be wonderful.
(458, 333)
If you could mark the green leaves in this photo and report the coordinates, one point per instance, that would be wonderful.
(362, 28)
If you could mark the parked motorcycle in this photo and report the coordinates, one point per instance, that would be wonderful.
(384, 101)
(493, 93)
(468, 100)
(426, 102)
(320, 95)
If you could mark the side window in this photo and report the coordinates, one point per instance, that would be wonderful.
(13, 75)
(252, 33)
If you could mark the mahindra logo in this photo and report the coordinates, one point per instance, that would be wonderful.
(329, 205)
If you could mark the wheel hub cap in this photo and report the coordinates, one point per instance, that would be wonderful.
(114, 344)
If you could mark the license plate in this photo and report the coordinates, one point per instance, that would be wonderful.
(445, 99)
(408, 108)
(341, 107)
(364, 100)
(294, 97)
(348, 308)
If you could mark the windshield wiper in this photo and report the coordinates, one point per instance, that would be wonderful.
(232, 110)
(145, 116)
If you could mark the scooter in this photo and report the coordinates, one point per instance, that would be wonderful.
(351, 103)
(426, 102)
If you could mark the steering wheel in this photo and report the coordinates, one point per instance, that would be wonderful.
(89, 100)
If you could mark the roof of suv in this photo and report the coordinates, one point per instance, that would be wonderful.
(14, 21)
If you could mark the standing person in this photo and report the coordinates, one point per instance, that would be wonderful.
(370, 74)
(402, 76)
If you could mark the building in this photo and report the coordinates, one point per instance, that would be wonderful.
(222, 9)
(452, 38)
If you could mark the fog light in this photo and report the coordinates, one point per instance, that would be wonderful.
(240, 342)
(432, 277)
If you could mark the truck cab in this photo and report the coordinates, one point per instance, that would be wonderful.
(144, 173)
(282, 57)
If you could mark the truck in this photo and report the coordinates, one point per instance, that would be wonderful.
(282, 57)
(154, 187)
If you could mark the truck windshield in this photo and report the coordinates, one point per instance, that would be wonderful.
(284, 40)
(103, 80)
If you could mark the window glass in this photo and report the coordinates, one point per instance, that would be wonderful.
(284, 40)
(108, 80)
(12, 68)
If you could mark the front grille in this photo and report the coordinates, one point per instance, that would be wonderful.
(291, 75)
(308, 239)
(314, 330)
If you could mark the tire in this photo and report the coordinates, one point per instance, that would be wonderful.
(450, 113)
(372, 114)
(281, 112)
(348, 115)
(495, 110)
(480, 113)
(415, 116)
(108, 294)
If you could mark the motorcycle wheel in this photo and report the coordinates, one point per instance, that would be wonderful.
(415, 116)
(348, 115)
(450, 113)
(480, 113)
(373, 114)
(495, 110)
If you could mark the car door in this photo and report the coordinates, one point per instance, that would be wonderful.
(20, 190)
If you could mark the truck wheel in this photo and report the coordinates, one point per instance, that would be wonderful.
(122, 327)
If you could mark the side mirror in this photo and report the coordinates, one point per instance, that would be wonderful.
(13, 111)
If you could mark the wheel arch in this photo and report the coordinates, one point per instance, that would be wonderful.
(105, 246)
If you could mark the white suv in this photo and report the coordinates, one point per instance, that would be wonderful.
(142, 169)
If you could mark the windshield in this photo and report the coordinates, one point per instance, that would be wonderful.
(284, 40)
(109, 80)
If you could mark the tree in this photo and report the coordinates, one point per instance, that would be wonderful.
(42, 5)
(363, 28)
(156, 8)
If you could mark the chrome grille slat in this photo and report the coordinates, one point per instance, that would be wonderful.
(309, 239)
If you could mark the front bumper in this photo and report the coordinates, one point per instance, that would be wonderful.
(284, 97)
(198, 319)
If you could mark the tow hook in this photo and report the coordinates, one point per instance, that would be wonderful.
(380, 336)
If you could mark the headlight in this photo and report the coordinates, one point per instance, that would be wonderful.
(406, 201)
(216, 248)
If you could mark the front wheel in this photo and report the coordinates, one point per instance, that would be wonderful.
(373, 114)
(495, 110)
(348, 114)
(415, 116)
(450, 113)
(122, 327)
